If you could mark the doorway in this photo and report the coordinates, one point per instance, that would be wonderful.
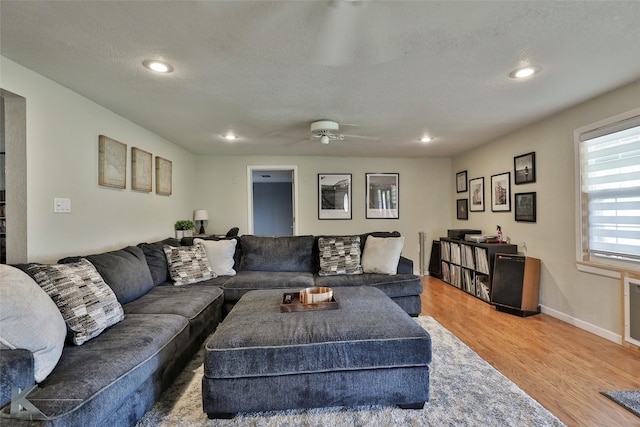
(272, 200)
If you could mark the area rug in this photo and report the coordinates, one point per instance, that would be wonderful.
(465, 391)
(630, 399)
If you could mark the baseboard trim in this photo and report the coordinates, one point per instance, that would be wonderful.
(601, 332)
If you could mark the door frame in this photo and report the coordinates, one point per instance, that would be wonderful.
(294, 192)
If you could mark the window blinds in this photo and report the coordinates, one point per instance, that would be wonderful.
(610, 159)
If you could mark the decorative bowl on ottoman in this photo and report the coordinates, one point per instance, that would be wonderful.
(316, 295)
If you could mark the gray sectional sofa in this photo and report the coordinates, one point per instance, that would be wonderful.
(116, 376)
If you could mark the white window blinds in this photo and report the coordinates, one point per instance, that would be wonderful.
(610, 181)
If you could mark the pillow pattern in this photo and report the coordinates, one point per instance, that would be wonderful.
(381, 255)
(339, 255)
(87, 304)
(220, 255)
(188, 264)
(29, 319)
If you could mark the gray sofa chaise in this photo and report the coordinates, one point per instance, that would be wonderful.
(116, 376)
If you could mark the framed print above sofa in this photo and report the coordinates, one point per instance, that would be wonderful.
(334, 196)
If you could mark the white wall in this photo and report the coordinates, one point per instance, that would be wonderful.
(586, 300)
(425, 197)
(62, 159)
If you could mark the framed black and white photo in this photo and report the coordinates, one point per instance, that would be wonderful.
(476, 194)
(525, 207)
(334, 196)
(462, 209)
(501, 192)
(382, 199)
(461, 182)
(524, 168)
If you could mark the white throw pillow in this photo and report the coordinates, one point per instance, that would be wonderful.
(29, 319)
(382, 254)
(220, 254)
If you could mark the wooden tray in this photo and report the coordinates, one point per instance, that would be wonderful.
(295, 305)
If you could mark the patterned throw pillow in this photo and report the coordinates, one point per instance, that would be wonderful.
(87, 304)
(339, 255)
(188, 264)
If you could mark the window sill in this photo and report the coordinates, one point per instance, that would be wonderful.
(612, 271)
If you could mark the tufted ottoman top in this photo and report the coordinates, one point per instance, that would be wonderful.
(368, 331)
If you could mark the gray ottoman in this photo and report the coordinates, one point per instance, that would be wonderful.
(367, 352)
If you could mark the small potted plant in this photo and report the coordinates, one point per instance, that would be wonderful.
(184, 228)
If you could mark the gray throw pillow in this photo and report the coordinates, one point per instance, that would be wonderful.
(339, 255)
(188, 264)
(87, 304)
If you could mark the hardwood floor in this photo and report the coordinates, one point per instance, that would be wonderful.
(561, 366)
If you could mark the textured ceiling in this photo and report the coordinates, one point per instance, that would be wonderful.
(265, 70)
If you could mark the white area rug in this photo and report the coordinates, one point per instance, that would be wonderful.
(465, 391)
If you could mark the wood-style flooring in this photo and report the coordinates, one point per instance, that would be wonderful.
(561, 366)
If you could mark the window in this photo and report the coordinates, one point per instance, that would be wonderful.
(609, 196)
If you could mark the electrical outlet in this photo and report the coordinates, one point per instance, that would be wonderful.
(61, 205)
(524, 245)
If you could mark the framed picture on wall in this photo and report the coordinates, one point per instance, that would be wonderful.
(141, 170)
(382, 198)
(524, 168)
(112, 163)
(163, 176)
(525, 207)
(334, 196)
(462, 209)
(461, 182)
(501, 192)
(476, 194)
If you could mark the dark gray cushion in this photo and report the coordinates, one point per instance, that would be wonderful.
(157, 260)
(125, 271)
(256, 339)
(16, 371)
(282, 253)
(245, 281)
(92, 381)
(392, 285)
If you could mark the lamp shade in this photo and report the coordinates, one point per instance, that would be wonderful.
(201, 215)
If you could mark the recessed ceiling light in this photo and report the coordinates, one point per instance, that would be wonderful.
(426, 139)
(230, 137)
(524, 72)
(157, 66)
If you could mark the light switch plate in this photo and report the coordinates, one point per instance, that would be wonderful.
(61, 205)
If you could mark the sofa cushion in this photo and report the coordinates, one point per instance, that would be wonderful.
(220, 255)
(396, 285)
(87, 304)
(125, 271)
(245, 281)
(381, 254)
(157, 260)
(30, 320)
(281, 253)
(339, 255)
(188, 264)
(95, 379)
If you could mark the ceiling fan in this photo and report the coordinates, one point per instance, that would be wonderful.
(328, 130)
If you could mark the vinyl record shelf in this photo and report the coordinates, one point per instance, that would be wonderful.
(469, 266)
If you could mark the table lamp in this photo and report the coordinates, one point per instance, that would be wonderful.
(202, 216)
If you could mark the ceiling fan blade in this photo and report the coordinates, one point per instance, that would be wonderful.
(372, 138)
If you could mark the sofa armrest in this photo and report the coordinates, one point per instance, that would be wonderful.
(16, 371)
(405, 266)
